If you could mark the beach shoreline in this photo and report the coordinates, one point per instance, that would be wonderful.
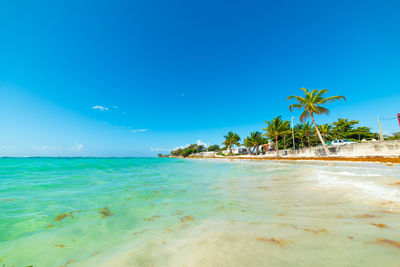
(377, 159)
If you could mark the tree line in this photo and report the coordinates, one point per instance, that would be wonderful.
(306, 134)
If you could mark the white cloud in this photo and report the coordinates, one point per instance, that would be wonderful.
(101, 108)
(159, 149)
(199, 143)
(181, 147)
(77, 147)
(139, 130)
(115, 107)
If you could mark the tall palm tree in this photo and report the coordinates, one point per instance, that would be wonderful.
(230, 140)
(312, 104)
(276, 128)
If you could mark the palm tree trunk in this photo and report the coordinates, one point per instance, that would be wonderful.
(276, 147)
(308, 139)
(230, 149)
(319, 135)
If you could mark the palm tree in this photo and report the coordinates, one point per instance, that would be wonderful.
(312, 104)
(248, 142)
(325, 129)
(299, 133)
(277, 127)
(308, 131)
(230, 140)
(257, 139)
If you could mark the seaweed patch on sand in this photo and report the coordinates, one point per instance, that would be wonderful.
(387, 242)
(281, 242)
(380, 225)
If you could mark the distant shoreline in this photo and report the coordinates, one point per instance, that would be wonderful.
(388, 160)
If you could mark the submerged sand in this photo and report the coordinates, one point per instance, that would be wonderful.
(284, 214)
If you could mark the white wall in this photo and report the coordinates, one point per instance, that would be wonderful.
(379, 148)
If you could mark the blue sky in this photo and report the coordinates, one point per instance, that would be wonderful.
(170, 73)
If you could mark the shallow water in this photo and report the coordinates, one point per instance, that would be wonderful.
(175, 212)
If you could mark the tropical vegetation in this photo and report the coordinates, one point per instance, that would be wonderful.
(305, 134)
(231, 139)
(275, 129)
(254, 141)
(312, 103)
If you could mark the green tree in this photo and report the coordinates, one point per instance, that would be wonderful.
(361, 132)
(312, 104)
(248, 142)
(258, 140)
(231, 139)
(214, 148)
(276, 128)
(342, 128)
(325, 130)
(394, 136)
(299, 134)
(308, 132)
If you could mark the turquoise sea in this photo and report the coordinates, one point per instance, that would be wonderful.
(186, 212)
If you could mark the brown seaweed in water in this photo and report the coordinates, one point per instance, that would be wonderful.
(152, 218)
(380, 225)
(139, 232)
(398, 183)
(68, 262)
(62, 216)
(59, 246)
(281, 242)
(106, 212)
(187, 218)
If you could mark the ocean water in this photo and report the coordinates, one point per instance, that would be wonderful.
(182, 212)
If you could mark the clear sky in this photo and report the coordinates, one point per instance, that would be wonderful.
(162, 74)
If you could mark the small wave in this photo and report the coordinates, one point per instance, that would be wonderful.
(351, 186)
(347, 173)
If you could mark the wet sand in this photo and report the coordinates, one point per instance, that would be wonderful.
(393, 160)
